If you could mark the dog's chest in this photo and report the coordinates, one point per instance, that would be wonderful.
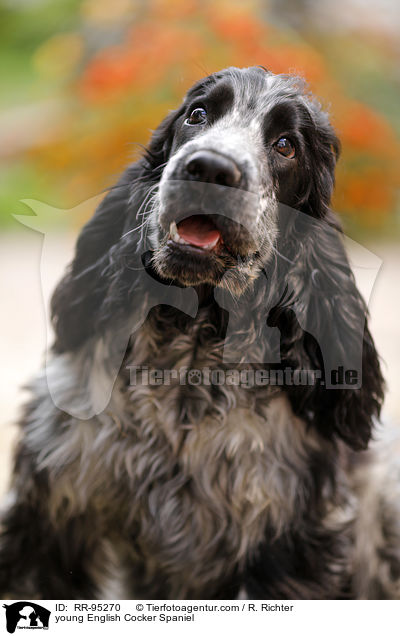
(208, 467)
(205, 491)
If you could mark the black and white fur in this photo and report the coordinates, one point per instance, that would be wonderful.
(185, 491)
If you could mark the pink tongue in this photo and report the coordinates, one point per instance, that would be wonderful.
(198, 230)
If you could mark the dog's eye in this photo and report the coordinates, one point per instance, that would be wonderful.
(197, 116)
(285, 147)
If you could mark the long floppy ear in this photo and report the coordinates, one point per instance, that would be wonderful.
(324, 325)
(79, 294)
(324, 328)
(77, 301)
(323, 150)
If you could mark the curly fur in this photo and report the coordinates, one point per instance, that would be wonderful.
(194, 491)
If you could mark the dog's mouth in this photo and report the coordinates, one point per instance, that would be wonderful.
(197, 231)
(202, 248)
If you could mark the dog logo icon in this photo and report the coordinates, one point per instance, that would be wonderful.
(26, 615)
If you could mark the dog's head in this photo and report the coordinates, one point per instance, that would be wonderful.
(231, 196)
(243, 140)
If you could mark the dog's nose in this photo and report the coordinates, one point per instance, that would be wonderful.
(211, 167)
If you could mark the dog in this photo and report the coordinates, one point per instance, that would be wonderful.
(177, 489)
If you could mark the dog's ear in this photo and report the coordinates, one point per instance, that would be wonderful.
(79, 294)
(326, 325)
(322, 153)
(78, 298)
(159, 148)
(324, 328)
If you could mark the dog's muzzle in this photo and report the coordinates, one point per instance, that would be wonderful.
(204, 205)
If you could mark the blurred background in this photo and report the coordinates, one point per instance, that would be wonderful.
(85, 81)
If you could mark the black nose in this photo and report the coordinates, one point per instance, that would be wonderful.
(211, 167)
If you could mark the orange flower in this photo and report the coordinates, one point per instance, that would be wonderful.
(237, 28)
(110, 72)
(364, 129)
(369, 194)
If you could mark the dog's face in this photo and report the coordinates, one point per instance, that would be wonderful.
(203, 208)
(243, 141)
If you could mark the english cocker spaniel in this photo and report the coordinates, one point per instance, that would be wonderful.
(200, 428)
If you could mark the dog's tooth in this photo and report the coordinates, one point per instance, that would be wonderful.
(173, 230)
